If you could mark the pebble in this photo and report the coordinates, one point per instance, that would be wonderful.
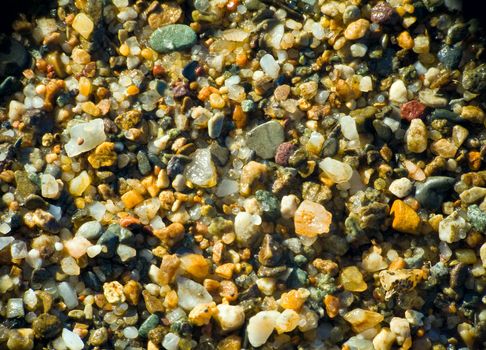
(173, 37)
(382, 13)
(113, 292)
(283, 153)
(453, 228)
(311, 219)
(201, 170)
(401, 187)
(265, 138)
(230, 317)
(261, 326)
(72, 340)
(450, 56)
(475, 79)
(398, 92)
(405, 219)
(416, 136)
(150, 323)
(412, 110)
(46, 326)
(357, 29)
(352, 279)
(401, 328)
(384, 339)
(83, 25)
(246, 227)
(433, 191)
(191, 294)
(90, 230)
(91, 133)
(361, 319)
(335, 170)
(270, 66)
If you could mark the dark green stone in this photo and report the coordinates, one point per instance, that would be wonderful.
(269, 204)
(150, 323)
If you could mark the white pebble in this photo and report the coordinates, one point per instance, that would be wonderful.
(72, 340)
(398, 92)
(401, 187)
(348, 127)
(261, 326)
(288, 206)
(270, 66)
(130, 332)
(171, 341)
(358, 50)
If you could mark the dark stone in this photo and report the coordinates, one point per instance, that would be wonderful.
(9, 85)
(445, 114)
(330, 147)
(433, 191)
(160, 86)
(46, 326)
(189, 71)
(40, 275)
(270, 252)
(110, 240)
(143, 163)
(298, 278)
(456, 33)
(91, 281)
(175, 166)
(219, 154)
(34, 201)
(13, 57)
(382, 130)
(269, 204)
(450, 56)
(458, 276)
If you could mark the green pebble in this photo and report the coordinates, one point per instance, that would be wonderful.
(150, 323)
(174, 37)
(476, 217)
(269, 203)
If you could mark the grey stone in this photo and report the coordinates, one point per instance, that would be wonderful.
(174, 37)
(450, 56)
(432, 192)
(265, 138)
(219, 153)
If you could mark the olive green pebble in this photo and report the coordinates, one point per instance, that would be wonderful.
(98, 336)
(46, 326)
